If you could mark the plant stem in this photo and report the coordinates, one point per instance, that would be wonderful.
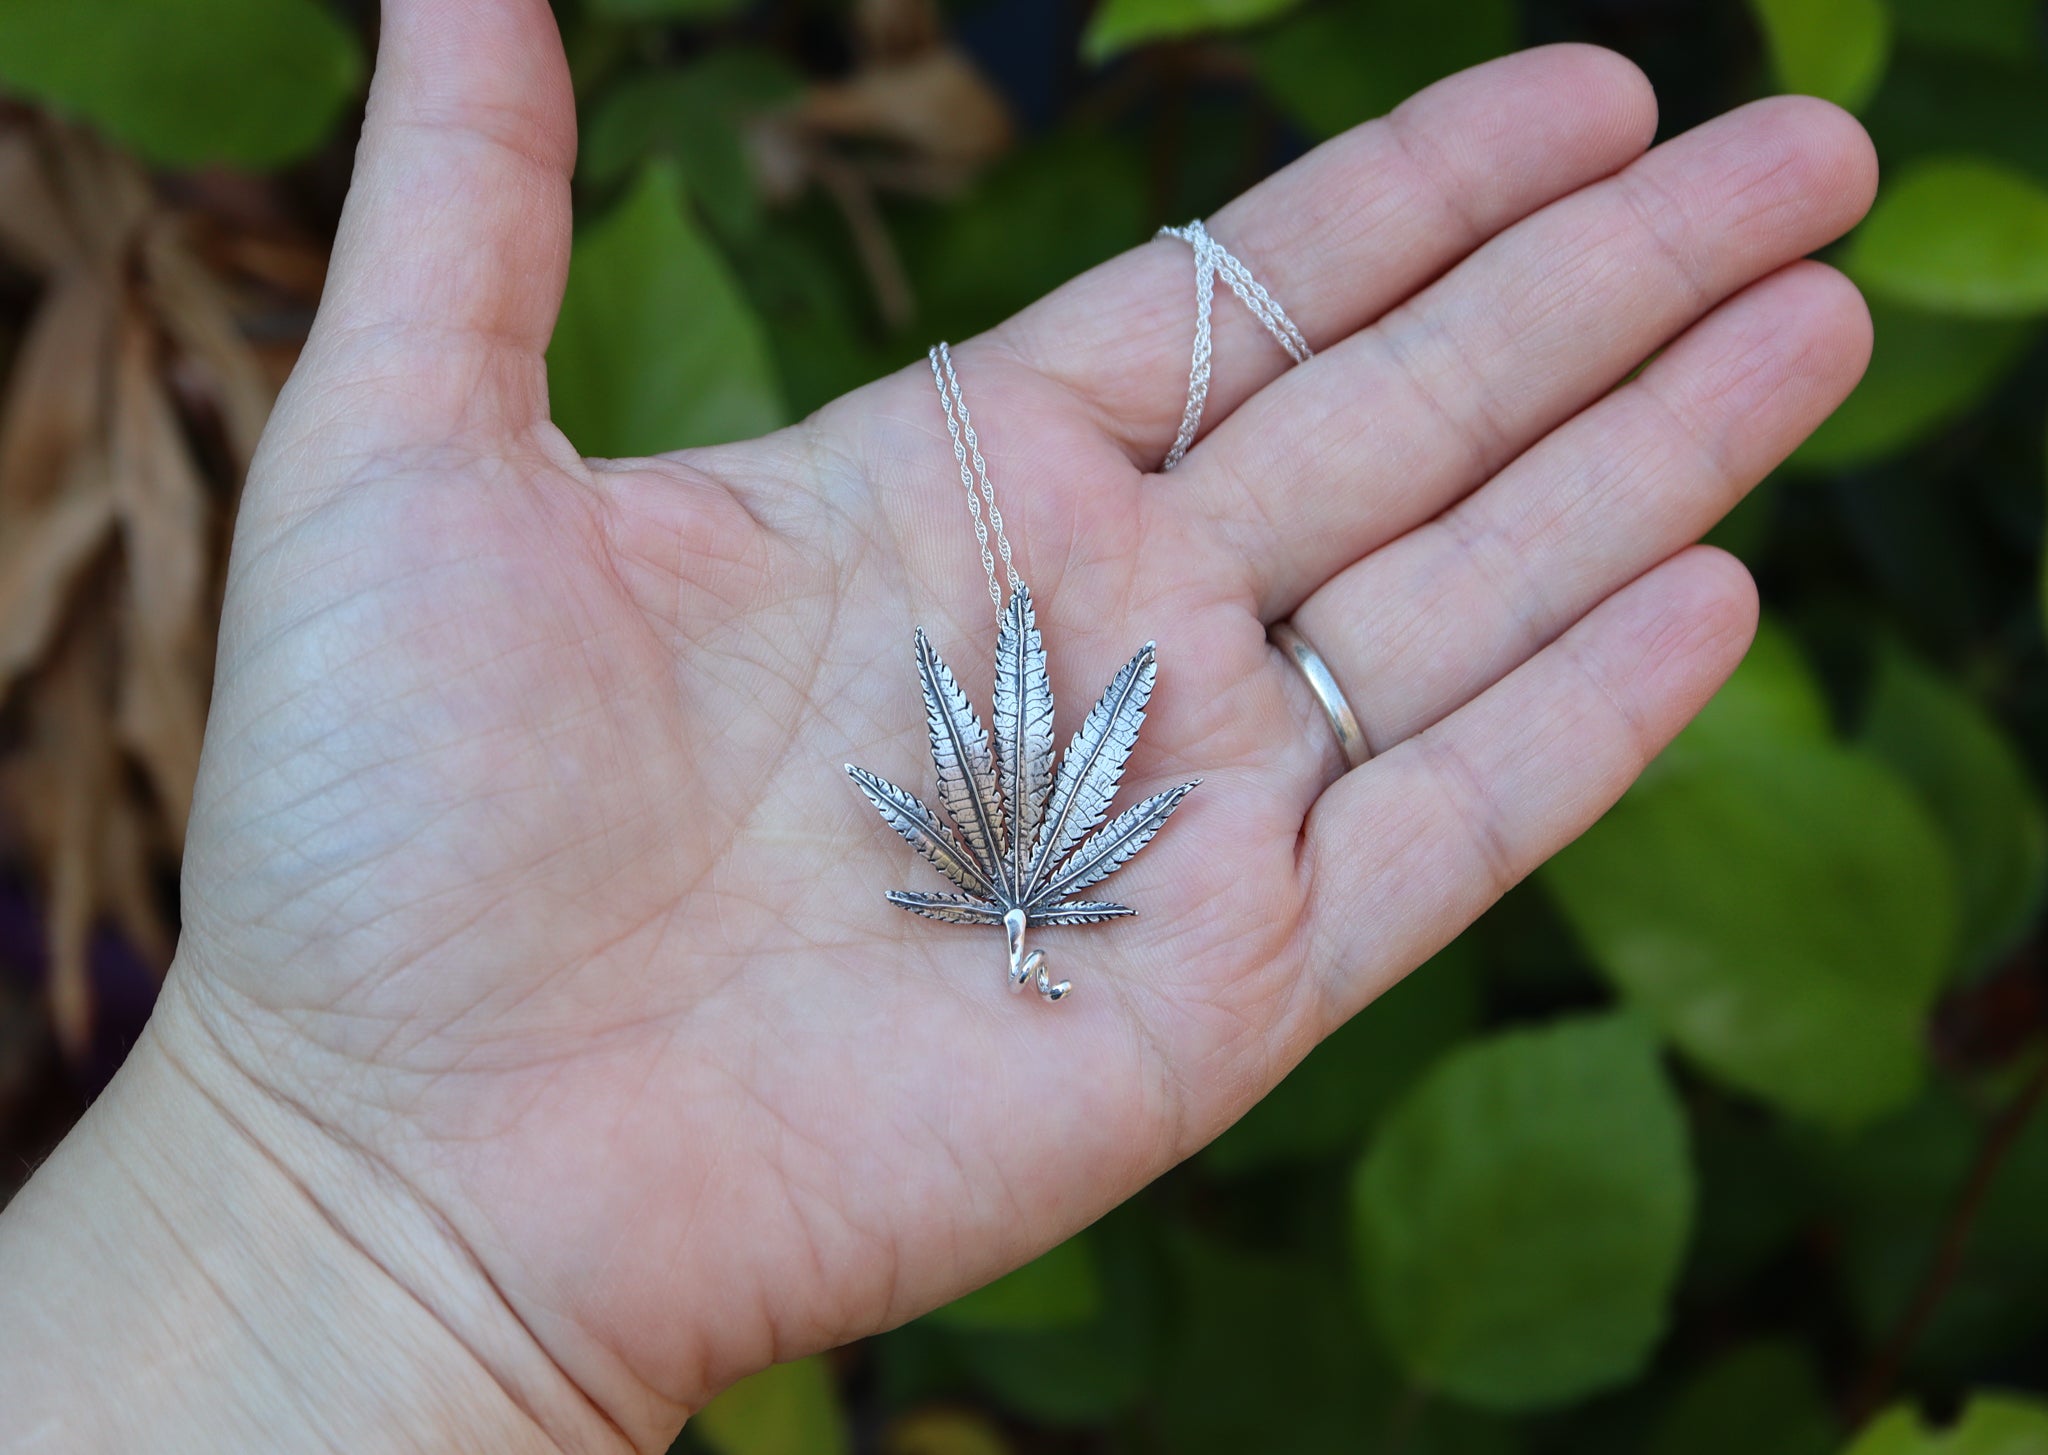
(1947, 1262)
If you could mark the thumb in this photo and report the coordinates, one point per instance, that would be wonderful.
(454, 243)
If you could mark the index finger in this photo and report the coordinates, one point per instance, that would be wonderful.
(1339, 236)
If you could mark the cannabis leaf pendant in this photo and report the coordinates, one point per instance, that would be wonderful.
(1016, 837)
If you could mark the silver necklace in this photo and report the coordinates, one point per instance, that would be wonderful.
(1018, 838)
(1213, 261)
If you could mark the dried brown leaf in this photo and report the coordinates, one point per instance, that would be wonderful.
(936, 104)
(55, 389)
(887, 30)
(292, 267)
(34, 228)
(41, 559)
(105, 192)
(166, 525)
(125, 878)
(135, 340)
(195, 311)
(67, 774)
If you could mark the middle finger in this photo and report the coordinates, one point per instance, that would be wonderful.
(1389, 427)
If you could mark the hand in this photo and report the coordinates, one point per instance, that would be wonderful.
(531, 924)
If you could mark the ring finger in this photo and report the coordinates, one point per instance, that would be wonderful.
(1426, 623)
(1390, 426)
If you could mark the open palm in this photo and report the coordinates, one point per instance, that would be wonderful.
(525, 873)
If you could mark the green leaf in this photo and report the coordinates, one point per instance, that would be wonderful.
(1925, 371)
(1831, 48)
(1771, 698)
(1975, 787)
(1057, 1288)
(1521, 1217)
(254, 83)
(1758, 1399)
(1331, 1100)
(1784, 914)
(694, 117)
(656, 349)
(1336, 65)
(1992, 1425)
(1957, 236)
(1119, 25)
(786, 1409)
(1780, 906)
(944, 1432)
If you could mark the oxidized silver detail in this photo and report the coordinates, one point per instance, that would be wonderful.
(1017, 838)
(1316, 672)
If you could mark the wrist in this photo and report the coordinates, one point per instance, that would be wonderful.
(200, 1267)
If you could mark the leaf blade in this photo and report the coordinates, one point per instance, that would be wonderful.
(1517, 1292)
(1773, 899)
(1121, 25)
(1023, 719)
(253, 83)
(950, 909)
(961, 758)
(1991, 1424)
(1093, 764)
(1974, 784)
(1836, 49)
(1079, 912)
(1958, 236)
(914, 822)
(625, 377)
(1110, 847)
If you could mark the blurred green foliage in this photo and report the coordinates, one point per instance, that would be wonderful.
(1960, 236)
(1534, 1181)
(1831, 48)
(1991, 1426)
(1723, 1135)
(252, 82)
(789, 1409)
(618, 384)
(1778, 901)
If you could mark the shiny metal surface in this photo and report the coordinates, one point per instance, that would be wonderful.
(1309, 662)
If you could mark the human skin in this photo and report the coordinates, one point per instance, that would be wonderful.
(540, 1055)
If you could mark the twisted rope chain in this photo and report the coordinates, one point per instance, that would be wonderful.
(975, 480)
(1213, 260)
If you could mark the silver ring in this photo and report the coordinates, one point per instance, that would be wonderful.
(1309, 662)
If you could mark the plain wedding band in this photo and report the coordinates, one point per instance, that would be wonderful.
(1316, 672)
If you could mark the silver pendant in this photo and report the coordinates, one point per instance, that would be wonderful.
(1016, 837)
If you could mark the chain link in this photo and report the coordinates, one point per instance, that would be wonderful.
(1213, 261)
(975, 478)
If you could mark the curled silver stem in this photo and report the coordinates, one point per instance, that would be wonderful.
(1026, 968)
